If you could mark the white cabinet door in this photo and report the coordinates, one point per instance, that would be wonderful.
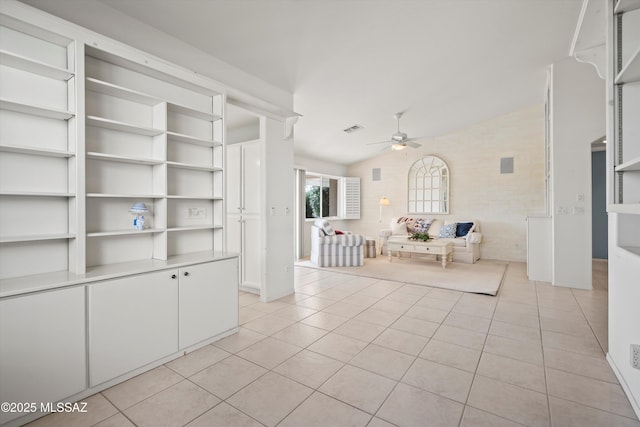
(251, 183)
(234, 177)
(244, 192)
(42, 347)
(208, 300)
(234, 233)
(132, 322)
(252, 253)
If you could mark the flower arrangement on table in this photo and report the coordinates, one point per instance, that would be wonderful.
(424, 237)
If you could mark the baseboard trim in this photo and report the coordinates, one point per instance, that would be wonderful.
(624, 385)
(278, 295)
(249, 288)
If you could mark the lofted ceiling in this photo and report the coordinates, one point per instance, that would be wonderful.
(445, 63)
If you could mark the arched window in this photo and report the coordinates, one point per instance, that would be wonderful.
(429, 186)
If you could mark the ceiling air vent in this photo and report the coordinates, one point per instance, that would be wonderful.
(353, 128)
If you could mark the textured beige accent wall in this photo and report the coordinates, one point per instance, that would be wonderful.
(501, 202)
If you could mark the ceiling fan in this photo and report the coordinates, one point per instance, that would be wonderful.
(399, 140)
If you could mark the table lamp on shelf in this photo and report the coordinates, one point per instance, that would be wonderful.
(138, 210)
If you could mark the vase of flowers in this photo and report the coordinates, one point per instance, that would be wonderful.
(423, 237)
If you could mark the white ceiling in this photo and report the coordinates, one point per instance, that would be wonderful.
(445, 63)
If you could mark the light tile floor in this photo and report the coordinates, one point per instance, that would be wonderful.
(354, 351)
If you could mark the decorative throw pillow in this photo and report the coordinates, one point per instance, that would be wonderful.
(448, 231)
(328, 228)
(463, 228)
(422, 225)
(434, 229)
(338, 232)
(399, 229)
(408, 222)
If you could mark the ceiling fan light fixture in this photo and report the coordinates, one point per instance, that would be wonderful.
(399, 136)
(398, 146)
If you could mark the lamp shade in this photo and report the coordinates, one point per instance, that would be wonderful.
(139, 208)
(384, 201)
(398, 146)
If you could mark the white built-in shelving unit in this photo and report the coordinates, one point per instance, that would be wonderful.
(86, 134)
(88, 128)
(622, 6)
(161, 144)
(624, 133)
(39, 200)
(625, 81)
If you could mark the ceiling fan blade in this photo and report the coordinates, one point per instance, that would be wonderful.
(415, 139)
(379, 142)
(412, 144)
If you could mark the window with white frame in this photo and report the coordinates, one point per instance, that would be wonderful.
(331, 196)
(321, 196)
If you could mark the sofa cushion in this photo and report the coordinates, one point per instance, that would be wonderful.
(448, 231)
(463, 228)
(399, 229)
(459, 242)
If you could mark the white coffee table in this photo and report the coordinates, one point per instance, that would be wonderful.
(434, 247)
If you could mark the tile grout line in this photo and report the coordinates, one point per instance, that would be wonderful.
(588, 322)
(475, 372)
(374, 415)
(119, 411)
(544, 365)
(317, 389)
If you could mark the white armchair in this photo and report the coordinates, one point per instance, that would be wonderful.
(329, 249)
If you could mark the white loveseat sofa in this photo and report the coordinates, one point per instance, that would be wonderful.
(466, 248)
(329, 249)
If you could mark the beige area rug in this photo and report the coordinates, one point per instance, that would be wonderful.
(483, 277)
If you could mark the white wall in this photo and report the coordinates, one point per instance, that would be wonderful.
(277, 173)
(501, 202)
(243, 133)
(319, 166)
(577, 119)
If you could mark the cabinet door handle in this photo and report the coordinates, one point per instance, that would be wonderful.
(186, 273)
(173, 276)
